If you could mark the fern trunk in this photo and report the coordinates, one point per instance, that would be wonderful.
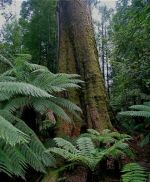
(78, 54)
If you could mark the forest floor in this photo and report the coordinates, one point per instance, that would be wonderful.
(142, 154)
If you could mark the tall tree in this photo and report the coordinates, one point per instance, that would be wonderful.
(130, 56)
(78, 54)
(11, 39)
(38, 19)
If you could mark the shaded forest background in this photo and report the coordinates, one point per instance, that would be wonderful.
(112, 56)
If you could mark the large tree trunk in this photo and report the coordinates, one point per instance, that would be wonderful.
(78, 54)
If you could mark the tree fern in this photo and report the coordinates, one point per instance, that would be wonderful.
(26, 84)
(74, 154)
(32, 152)
(86, 152)
(107, 136)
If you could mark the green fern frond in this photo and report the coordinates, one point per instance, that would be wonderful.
(66, 103)
(136, 113)
(42, 105)
(7, 78)
(34, 152)
(60, 142)
(34, 143)
(34, 67)
(17, 103)
(31, 158)
(85, 152)
(5, 61)
(22, 85)
(5, 96)
(85, 145)
(23, 88)
(133, 172)
(11, 134)
(55, 82)
(140, 107)
(11, 162)
(107, 136)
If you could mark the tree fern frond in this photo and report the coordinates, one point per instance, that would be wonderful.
(63, 153)
(86, 153)
(34, 144)
(136, 113)
(8, 72)
(11, 134)
(140, 107)
(6, 165)
(66, 103)
(43, 105)
(94, 132)
(133, 172)
(31, 158)
(7, 78)
(17, 103)
(23, 88)
(55, 82)
(147, 104)
(5, 96)
(60, 142)
(85, 145)
(107, 136)
(5, 61)
(30, 84)
(34, 67)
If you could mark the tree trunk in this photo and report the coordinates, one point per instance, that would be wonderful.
(78, 54)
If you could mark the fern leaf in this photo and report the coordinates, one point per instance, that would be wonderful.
(85, 145)
(133, 172)
(22, 88)
(11, 134)
(136, 113)
(140, 108)
(5, 61)
(66, 103)
(65, 145)
(43, 105)
(17, 103)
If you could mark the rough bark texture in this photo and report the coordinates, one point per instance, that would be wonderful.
(78, 54)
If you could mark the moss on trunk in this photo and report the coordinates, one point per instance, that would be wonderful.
(78, 54)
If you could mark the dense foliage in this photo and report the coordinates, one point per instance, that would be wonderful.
(133, 172)
(86, 152)
(39, 23)
(33, 96)
(130, 56)
(29, 85)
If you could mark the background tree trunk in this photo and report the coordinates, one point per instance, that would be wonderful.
(78, 54)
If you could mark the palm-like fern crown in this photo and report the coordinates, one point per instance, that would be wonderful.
(87, 153)
(25, 84)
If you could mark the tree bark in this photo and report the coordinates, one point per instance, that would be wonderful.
(78, 54)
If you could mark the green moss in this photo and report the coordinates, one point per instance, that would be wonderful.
(51, 176)
(78, 54)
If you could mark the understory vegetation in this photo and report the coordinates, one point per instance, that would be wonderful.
(51, 129)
